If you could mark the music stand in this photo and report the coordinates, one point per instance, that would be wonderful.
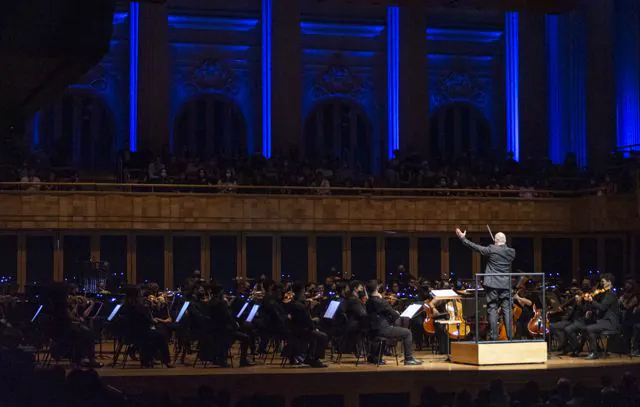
(411, 311)
(253, 312)
(184, 308)
(331, 309)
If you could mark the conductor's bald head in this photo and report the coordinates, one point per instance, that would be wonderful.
(500, 238)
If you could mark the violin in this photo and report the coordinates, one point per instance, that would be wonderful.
(288, 297)
(594, 293)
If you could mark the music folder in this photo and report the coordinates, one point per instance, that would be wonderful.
(242, 310)
(253, 312)
(114, 312)
(411, 310)
(184, 308)
(35, 316)
(331, 309)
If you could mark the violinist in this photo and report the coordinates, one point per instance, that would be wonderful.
(308, 340)
(137, 324)
(382, 318)
(629, 302)
(161, 316)
(355, 312)
(273, 318)
(571, 311)
(607, 312)
(577, 314)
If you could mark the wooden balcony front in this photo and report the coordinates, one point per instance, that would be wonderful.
(108, 207)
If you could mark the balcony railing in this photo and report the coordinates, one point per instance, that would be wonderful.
(181, 189)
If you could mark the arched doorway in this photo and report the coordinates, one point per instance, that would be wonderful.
(210, 125)
(456, 129)
(78, 130)
(340, 129)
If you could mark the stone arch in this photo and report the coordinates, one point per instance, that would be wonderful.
(339, 128)
(458, 128)
(78, 130)
(209, 124)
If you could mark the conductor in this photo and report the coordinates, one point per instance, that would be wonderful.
(497, 283)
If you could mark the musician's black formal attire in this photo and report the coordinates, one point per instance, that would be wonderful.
(497, 283)
(578, 323)
(272, 321)
(558, 329)
(138, 328)
(608, 314)
(356, 317)
(381, 318)
(305, 335)
(225, 328)
(75, 335)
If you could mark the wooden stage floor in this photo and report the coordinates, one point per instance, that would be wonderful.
(350, 380)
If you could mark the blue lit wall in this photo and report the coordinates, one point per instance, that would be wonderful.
(627, 49)
(462, 70)
(107, 81)
(352, 71)
(566, 55)
(192, 77)
(512, 50)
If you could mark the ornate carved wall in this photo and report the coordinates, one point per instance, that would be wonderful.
(313, 213)
(216, 55)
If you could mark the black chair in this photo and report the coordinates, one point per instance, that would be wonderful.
(605, 339)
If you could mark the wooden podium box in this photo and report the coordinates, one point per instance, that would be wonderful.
(499, 353)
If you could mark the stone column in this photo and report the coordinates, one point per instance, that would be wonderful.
(414, 79)
(286, 76)
(153, 77)
(600, 94)
(533, 86)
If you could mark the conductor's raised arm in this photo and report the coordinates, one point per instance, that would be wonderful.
(483, 250)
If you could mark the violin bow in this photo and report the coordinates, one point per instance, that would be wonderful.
(491, 234)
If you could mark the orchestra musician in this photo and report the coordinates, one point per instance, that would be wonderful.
(497, 283)
(309, 342)
(382, 317)
(607, 312)
(573, 314)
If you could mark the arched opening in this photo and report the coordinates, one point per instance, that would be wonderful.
(457, 129)
(340, 129)
(210, 125)
(78, 130)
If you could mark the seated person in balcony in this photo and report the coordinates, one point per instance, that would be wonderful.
(382, 317)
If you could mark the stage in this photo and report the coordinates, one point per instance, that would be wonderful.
(351, 381)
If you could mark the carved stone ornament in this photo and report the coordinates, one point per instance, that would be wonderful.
(212, 75)
(337, 79)
(459, 87)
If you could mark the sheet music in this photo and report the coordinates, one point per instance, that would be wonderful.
(253, 312)
(331, 309)
(184, 308)
(411, 311)
(445, 293)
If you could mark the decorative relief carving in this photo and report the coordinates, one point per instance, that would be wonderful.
(212, 75)
(338, 80)
(459, 87)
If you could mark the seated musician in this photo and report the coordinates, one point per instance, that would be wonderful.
(224, 325)
(309, 343)
(524, 299)
(571, 310)
(161, 316)
(438, 311)
(355, 314)
(138, 327)
(70, 332)
(272, 317)
(382, 318)
(578, 323)
(607, 312)
(628, 302)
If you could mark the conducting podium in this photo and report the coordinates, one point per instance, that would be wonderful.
(482, 352)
